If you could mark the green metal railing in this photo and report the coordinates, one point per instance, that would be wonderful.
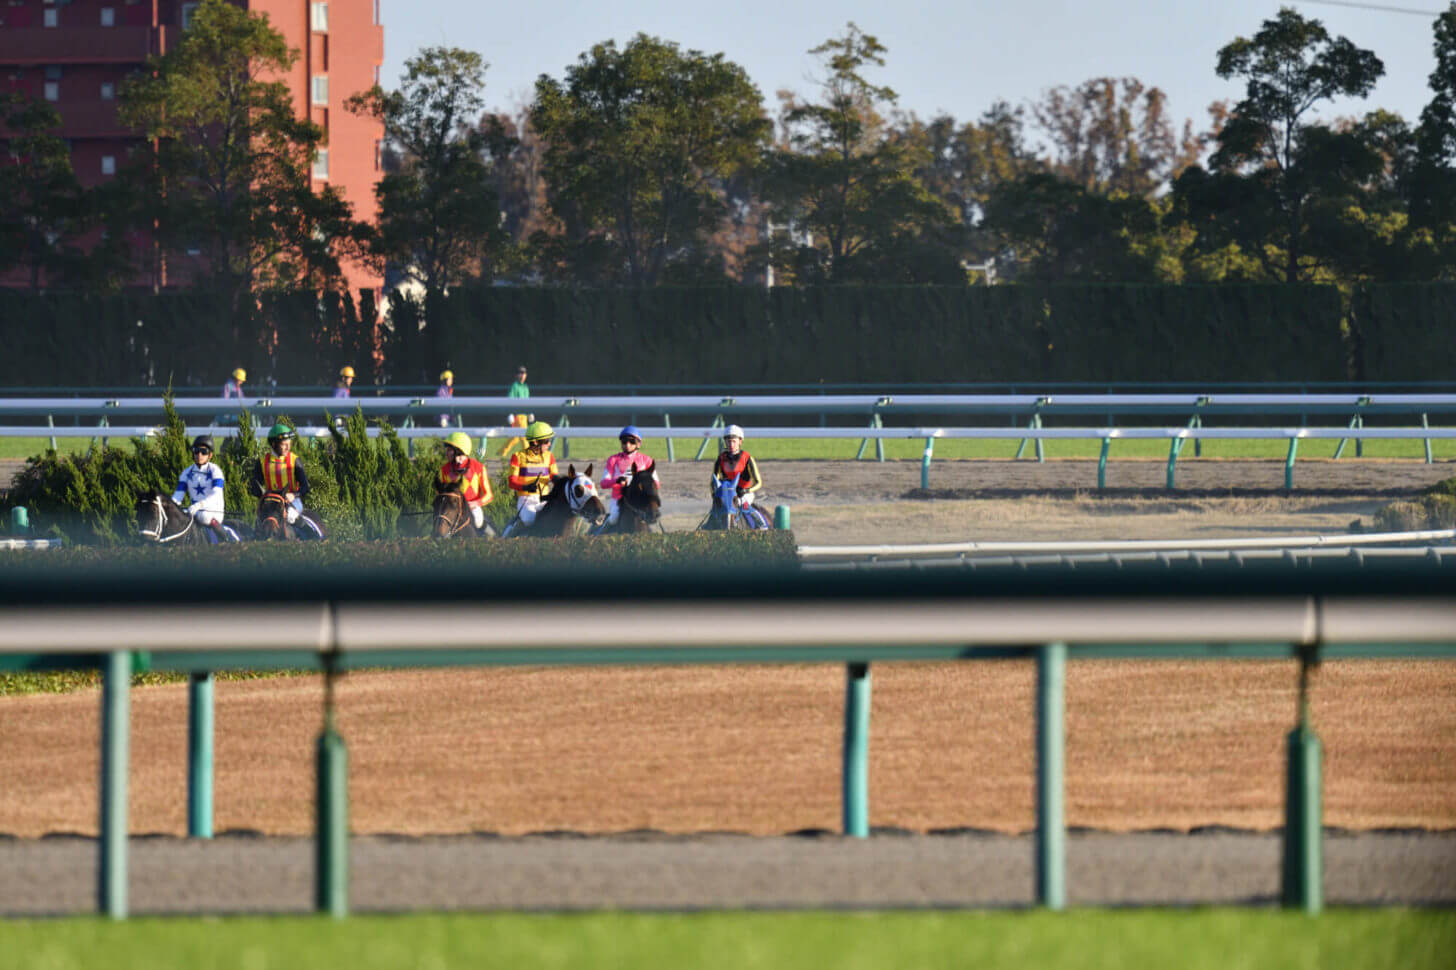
(350, 620)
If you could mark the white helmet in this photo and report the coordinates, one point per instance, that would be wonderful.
(733, 431)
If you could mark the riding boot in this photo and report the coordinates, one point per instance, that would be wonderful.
(220, 532)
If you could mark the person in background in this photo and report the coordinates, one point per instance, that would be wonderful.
(446, 389)
(518, 389)
(202, 483)
(234, 387)
(346, 380)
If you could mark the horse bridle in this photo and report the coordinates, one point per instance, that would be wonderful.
(464, 510)
(638, 510)
(577, 504)
(156, 534)
(282, 517)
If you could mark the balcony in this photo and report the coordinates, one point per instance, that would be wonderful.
(81, 45)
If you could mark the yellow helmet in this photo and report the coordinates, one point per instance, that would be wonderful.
(347, 372)
(446, 375)
(459, 440)
(539, 431)
(240, 375)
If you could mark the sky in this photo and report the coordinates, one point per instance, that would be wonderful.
(944, 56)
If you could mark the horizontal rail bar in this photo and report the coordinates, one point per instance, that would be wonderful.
(1125, 545)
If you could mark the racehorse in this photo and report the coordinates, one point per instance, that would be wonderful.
(571, 507)
(729, 512)
(273, 521)
(159, 519)
(452, 514)
(641, 505)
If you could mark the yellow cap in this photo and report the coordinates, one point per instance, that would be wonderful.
(347, 372)
(446, 375)
(460, 440)
(240, 375)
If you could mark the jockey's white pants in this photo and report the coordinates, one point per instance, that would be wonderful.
(206, 516)
(527, 506)
(614, 511)
(746, 499)
(477, 515)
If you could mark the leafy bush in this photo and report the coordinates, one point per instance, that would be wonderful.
(360, 485)
(1435, 508)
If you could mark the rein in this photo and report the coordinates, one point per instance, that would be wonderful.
(461, 510)
(156, 534)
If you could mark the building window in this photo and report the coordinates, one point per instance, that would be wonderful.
(108, 164)
(319, 17)
(108, 90)
(108, 16)
(321, 164)
(321, 89)
(53, 90)
(188, 9)
(53, 72)
(51, 17)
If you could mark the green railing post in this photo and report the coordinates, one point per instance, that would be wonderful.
(781, 518)
(51, 423)
(1171, 480)
(1289, 462)
(925, 463)
(856, 776)
(1426, 424)
(875, 422)
(667, 423)
(332, 824)
(565, 422)
(409, 443)
(20, 521)
(115, 758)
(1051, 828)
(1102, 463)
(1303, 868)
(717, 423)
(199, 755)
(1197, 422)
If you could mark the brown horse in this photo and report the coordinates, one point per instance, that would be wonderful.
(272, 522)
(452, 514)
(641, 505)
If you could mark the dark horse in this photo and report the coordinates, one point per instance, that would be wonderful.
(641, 506)
(452, 514)
(572, 507)
(273, 520)
(159, 519)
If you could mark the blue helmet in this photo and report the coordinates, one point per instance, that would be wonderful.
(630, 432)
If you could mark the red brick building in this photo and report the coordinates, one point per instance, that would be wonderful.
(76, 53)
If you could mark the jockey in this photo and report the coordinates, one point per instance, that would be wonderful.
(531, 471)
(732, 462)
(280, 471)
(474, 483)
(346, 379)
(234, 387)
(202, 483)
(617, 472)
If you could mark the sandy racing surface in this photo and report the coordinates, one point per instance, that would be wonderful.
(450, 771)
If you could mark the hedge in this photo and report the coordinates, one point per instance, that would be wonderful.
(1406, 331)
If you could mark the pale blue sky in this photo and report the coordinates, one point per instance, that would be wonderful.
(944, 55)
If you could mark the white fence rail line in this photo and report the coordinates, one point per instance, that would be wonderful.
(911, 550)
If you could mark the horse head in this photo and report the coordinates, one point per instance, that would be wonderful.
(641, 494)
(581, 494)
(152, 514)
(727, 493)
(451, 514)
(272, 517)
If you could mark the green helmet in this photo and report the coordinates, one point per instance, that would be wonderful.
(539, 431)
(459, 440)
(281, 430)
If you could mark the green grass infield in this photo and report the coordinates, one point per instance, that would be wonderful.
(1195, 939)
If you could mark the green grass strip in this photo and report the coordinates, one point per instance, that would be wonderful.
(1200, 939)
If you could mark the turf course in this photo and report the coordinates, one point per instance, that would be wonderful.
(1207, 939)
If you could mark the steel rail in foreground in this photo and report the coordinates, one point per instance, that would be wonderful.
(338, 634)
(913, 550)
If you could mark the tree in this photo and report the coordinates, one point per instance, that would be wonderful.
(1430, 185)
(639, 145)
(439, 213)
(845, 184)
(228, 165)
(1275, 175)
(41, 209)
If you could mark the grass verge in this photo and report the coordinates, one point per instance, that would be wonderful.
(1204, 939)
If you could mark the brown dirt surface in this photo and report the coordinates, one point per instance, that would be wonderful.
(756, 749)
